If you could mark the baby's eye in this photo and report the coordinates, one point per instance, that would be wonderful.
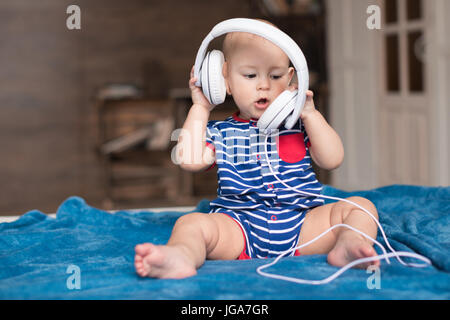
(275, 77)
(250, 76)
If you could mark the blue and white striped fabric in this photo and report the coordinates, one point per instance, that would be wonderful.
(269, 214)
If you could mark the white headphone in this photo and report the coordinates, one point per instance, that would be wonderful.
(208, 71)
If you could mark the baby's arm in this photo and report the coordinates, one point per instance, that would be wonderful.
(195, 156)
(326, 147)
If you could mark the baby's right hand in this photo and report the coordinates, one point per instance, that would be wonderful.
(197, 94)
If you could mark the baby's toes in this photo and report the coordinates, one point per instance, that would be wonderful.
(143, 249)
(141, 269)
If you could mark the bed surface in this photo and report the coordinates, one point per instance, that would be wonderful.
(37, 250)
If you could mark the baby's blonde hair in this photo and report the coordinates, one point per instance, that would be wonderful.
(229, 43)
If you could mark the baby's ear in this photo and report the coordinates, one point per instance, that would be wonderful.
(291, 72)
(225, 76)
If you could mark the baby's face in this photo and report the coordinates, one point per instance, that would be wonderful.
(256, 71)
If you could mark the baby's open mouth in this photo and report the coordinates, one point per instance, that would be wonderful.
(262, 103)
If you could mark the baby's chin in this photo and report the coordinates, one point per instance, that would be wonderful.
(252, 116)
(256, 114)
(253, 113)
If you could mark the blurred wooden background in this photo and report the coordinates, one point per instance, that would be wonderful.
(50, 76)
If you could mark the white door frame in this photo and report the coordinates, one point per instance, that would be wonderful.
(352, 68)
(354, 76)
(438, 57)
(403, 116)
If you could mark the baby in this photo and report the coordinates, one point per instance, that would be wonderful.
(256, 216)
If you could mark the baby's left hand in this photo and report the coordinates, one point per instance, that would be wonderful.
(309, 107)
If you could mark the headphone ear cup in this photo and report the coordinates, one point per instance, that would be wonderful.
(213, 82)
(217, 88)
(204, 77)
(278, 110)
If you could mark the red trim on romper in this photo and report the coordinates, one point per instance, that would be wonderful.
(211, 146)
(237, 118)
(243, 255)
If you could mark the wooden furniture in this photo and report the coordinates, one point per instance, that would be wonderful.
(134, 147)
(138, 172)
(200, 185)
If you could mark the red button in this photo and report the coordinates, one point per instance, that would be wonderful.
(270, 186)
(273, 218)
(258, 157)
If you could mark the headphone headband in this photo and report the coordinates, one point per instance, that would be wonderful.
(274, 35)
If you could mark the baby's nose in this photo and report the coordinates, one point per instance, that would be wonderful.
(263, 83)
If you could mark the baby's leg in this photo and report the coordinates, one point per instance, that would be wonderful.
(195, 237)
(342, 244)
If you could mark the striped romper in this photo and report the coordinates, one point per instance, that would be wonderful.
(269, 214)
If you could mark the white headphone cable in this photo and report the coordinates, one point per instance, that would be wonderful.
(337, 273)
(385, 255)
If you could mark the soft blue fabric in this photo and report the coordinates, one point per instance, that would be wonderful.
(36, 251)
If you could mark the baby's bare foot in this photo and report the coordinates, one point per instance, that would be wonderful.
(350, 248)
(167, 262)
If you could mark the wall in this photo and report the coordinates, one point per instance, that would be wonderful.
(352, 62)
(49, 75)
(439, 77)
(39, 99)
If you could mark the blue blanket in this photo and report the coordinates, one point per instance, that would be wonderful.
(87, 253)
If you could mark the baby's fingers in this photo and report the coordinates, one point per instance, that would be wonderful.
(192, 75)
(192, 85)
(309, 98)
(192, 80)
